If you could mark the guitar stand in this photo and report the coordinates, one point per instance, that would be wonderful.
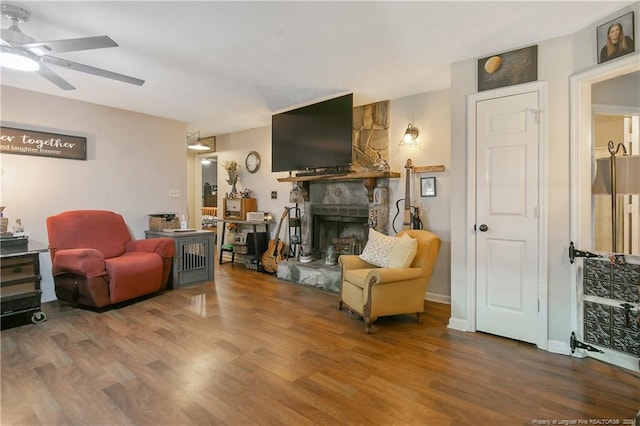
(294, 221)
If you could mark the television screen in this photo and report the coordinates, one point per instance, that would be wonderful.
(314, 136)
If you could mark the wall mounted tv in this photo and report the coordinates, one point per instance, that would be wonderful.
(313, 137)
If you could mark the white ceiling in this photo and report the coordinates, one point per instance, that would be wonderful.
(228, 66)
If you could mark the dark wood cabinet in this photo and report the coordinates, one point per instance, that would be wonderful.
(20, 277)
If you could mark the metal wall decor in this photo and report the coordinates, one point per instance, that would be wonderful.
(609, 319)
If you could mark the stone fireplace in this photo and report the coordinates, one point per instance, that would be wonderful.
(346, 227)
(339, 213)
(336, 211)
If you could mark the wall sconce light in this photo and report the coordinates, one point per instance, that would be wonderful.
(616, 175)
(410, 137)
(198, 145)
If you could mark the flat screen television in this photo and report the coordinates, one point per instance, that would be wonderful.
(313, 137)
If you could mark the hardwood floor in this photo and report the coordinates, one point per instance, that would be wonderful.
(251, 349)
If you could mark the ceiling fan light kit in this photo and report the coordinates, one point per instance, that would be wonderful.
(17, 59)
(21, 52)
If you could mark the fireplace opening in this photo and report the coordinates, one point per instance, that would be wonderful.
(346, 227)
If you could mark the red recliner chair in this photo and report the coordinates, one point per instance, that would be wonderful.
(97, 263)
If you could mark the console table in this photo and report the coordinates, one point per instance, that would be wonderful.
(193, 261)
(20, 277)
(254, 224)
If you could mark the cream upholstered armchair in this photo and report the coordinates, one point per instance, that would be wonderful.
(396, 282)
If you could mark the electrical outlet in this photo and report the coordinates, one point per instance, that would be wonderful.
(274, 195)
(174, 193)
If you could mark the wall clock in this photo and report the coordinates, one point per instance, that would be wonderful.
(252, 162)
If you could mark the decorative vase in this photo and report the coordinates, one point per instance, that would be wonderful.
(232, 182)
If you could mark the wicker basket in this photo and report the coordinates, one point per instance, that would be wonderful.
(160, 221)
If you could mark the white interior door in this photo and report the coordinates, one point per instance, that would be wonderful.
(507, 215)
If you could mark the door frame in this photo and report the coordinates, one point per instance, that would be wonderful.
(581, 131)
(472, 100)
(198, 183)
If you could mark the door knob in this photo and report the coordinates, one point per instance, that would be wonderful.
(483, 228)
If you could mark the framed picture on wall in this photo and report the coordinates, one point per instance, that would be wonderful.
(428, 187)
(509, 68)
(615, 38)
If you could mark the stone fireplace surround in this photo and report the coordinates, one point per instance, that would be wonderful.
(335, 207)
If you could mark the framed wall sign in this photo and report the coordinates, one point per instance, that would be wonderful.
(428, 187)
(41, 144)
(615, 38)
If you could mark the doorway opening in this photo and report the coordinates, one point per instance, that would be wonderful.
(209, 191)
(586, 301)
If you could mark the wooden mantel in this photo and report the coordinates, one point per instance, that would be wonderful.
(369, 179)
(345, 176)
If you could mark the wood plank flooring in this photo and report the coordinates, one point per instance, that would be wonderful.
(250, 349)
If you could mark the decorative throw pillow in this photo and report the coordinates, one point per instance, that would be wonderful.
(403, 252)
(377, 249)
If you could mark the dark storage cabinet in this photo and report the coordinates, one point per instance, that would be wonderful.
(193, 261)
(20, 291)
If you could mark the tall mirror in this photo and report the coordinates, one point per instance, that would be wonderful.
(605, 128)
(616, 138)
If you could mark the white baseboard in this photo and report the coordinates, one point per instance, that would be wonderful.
(458, 324)
(558, 347)
(438, 298)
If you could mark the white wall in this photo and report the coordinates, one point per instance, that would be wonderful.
(133, 160)
(558, 59)
(428, 111)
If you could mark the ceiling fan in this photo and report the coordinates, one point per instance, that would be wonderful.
(22, 52)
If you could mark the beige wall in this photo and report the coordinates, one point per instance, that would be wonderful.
(430, 113)
(133, 161)
(427, 111)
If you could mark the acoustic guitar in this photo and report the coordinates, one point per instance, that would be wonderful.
(411, 216)
(406, 218)
(273, 255)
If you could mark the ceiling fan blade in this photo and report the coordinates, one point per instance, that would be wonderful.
(70, 45)
(92, 70)
(54, 78)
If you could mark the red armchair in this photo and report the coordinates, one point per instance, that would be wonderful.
(97, 263)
